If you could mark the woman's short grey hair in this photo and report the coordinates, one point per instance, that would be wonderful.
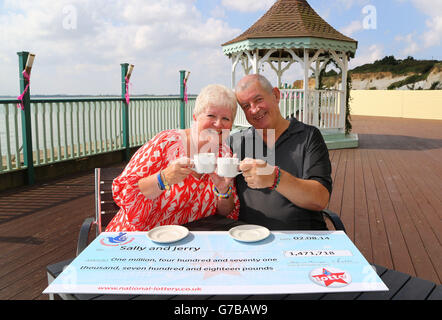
(215, 95)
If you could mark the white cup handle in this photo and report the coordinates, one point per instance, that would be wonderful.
(237, 173)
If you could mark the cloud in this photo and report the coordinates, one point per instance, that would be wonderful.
(433, 35)
(411, 45)
(248, 5)
(373, 53)
(349, 4)
(429, 7)
(218, 12)
(353, 27)
(80, 44)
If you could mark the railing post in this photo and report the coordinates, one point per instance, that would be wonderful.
(26, 119)
(316, 105)
(125, 111)
(182, 103)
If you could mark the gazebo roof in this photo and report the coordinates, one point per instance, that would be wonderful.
(290, 19)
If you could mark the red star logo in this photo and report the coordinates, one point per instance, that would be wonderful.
(329, 277)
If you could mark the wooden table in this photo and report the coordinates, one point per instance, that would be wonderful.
(401, 286)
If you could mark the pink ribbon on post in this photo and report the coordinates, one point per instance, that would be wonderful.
(20, 105)
(126, 95)
(185, 91)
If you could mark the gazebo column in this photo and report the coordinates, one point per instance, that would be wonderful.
(254, 59)
(306, 111)
(235, 60)
(245, 64)
(317, 71)
(344, 89)
(279, 70)
(317, 94)
(314, 108)
(342, 61)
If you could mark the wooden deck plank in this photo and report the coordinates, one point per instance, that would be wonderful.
(388, 192)
(398, 249)
(378, 229)
(410, 149)
(64, 242)
(40, 232)
(338, 183)
(418, 254)
(424, 182)
(348, 195)
(362, 237)
(420, 238)
(422, 201)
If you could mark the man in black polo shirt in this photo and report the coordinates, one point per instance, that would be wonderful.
(286, 179)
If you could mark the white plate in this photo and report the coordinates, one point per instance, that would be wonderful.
(249, 233)
(167, 234)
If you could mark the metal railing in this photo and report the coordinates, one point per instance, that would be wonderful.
(66, 129)
(10, 136)
(72, 128)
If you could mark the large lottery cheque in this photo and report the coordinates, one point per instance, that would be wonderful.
(211, 262)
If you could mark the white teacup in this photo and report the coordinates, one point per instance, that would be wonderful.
(227, 167)
(204, 162)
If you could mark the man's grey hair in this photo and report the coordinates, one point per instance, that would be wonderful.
(247, 81)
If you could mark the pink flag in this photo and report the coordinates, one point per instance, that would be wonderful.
(126, 95)
(185, 90)
(20, 97)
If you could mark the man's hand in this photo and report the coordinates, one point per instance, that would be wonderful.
(257, 173)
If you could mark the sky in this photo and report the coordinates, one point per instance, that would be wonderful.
(80, 44)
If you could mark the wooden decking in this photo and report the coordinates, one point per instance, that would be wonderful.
(388, 192)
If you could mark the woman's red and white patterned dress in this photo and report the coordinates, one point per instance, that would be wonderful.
(186, 201)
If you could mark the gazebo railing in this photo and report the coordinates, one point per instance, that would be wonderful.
(291, 103)
(322, 109)
(326, 109)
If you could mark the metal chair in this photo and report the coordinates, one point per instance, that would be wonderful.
(105, 207)
(334, 218)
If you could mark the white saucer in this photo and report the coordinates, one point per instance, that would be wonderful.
(167, 234)
(249, 233)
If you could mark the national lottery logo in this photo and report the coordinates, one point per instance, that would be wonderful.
(330, 277)
(119, 240)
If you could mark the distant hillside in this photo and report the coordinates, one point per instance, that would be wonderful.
(391, 74)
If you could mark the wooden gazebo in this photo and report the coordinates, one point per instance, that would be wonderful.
(292, 32)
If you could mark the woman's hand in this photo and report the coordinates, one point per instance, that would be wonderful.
(222, 184)
(177, 170)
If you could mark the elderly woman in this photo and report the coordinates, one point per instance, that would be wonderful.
(159, 185)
